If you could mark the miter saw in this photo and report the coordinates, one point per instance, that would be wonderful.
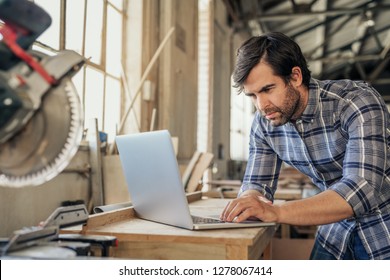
(41, 120)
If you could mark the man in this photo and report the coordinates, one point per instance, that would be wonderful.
(335, 132)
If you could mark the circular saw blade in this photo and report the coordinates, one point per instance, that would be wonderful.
(47, 143)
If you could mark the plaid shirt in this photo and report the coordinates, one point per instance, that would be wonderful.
(341, 142)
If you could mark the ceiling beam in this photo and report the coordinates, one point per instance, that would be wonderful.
(328, 36)
(384, 81)
(382, 65)
(315, 14)
(329, 58)
(347, 58)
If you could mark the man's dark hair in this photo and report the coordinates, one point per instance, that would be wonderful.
(279, 51)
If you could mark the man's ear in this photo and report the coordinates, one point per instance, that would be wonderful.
(296, 76)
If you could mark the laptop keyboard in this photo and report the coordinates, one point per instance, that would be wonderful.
(205, 220)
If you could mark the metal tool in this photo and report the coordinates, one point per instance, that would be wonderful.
(41, 119)
(44, 240)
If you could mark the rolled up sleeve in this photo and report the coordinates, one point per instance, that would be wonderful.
(364, 165)
(263, 166)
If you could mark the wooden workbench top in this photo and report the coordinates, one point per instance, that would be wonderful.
(134, 233)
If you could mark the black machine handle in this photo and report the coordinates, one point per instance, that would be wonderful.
(28, 20)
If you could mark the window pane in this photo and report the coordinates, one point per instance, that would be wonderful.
(241, 111)
(74, 25)
(112, 108)
(117, 3)
(114, 42)
(203, 75)
(78, 80)
(94, 96)
(93, 35)
(51, 36)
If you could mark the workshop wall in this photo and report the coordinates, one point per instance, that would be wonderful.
(27, 206)
(220, 72)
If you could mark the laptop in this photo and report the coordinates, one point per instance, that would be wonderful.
(153, 178)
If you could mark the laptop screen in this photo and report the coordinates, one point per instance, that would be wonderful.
(153, 178)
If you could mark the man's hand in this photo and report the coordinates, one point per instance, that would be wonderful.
(248, 206)
(324, 208)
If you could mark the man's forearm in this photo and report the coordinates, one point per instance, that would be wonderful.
(324, 208)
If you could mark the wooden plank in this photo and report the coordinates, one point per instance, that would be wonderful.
(190, 168)
(217, 183)
(106, 218)
(220, 194)
(169, 251)
(231, 192)
(97, 197)
(201, 166)
(191, 197)
(236, 252)
(175, 143)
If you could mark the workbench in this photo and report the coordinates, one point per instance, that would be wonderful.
(141, 239)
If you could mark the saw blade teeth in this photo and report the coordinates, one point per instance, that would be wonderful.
(65, 154)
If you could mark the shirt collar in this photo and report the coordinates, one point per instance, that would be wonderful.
(312, 104)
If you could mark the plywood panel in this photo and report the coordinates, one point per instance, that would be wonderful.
(115, 187)
(177, 93)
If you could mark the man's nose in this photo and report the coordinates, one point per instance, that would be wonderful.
(261, 102)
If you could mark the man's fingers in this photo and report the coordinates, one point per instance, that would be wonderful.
(235, 208)
(231, 210)
(245, 215)
(235, 211)
(225, 211)
(243, 208)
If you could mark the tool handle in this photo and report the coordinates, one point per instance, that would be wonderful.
(28, 20)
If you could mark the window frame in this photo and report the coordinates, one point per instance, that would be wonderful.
(101, 67)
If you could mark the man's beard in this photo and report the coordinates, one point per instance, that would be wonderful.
(286, 112)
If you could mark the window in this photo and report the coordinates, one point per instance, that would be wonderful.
(94, 29)
(203, 74)
(242, 112)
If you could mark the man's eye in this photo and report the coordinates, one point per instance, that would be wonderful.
(266, 90)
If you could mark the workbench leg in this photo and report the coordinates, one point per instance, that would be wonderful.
(267, 254)
(285, 231)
